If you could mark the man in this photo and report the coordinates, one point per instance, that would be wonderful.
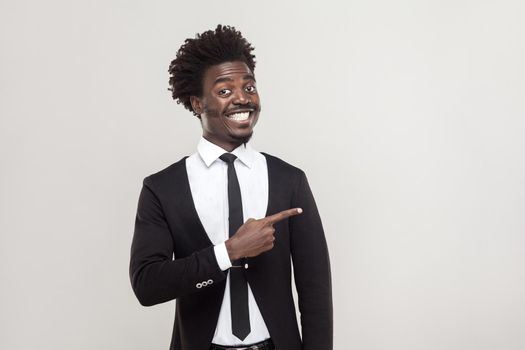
(217, 231)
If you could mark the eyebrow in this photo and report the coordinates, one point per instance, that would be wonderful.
(221, 80)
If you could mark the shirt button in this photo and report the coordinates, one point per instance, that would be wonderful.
(246, 265)
(198, 285)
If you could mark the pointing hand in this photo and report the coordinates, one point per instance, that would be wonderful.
(256, 236)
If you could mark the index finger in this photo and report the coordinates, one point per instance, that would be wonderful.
(272, 219)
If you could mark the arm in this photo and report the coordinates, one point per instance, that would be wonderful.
(155, 276)
(312, 271)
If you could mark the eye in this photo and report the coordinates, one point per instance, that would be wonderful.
(224, 92)
(250, 89)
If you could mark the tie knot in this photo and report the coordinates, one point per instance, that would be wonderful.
(228, 158)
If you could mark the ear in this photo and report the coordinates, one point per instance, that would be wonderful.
(196, 104)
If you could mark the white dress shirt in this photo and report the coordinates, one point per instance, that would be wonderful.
(208, 178)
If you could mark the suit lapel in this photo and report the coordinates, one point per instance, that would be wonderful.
(185, 205)
(273, 185)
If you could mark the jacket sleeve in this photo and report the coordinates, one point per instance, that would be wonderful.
(311, 271)
(155, 276)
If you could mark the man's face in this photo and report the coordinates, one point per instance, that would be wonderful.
(229, 106)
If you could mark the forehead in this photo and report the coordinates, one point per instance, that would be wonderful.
(226, 70)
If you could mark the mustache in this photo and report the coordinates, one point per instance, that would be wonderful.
(249, 105)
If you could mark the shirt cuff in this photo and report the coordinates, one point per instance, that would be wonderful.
(221, 254)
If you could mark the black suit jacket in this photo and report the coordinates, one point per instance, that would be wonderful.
(167, 225)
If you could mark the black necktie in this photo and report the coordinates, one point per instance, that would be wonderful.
(238, 284)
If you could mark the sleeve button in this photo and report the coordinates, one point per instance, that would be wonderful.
(198, 285)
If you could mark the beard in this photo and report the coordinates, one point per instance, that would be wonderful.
(242, 139)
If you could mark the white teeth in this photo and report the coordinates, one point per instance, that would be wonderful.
(239, 116)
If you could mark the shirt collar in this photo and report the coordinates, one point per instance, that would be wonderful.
(210, 152)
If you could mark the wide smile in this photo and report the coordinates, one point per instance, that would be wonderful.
(240, 116)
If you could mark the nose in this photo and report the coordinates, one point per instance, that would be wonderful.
(240, 98)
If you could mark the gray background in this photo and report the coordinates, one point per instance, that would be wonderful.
(406, 115)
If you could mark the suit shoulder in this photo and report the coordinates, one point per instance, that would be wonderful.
(167, 175)
(280, 165)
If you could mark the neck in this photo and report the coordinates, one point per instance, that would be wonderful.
(227, 146)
